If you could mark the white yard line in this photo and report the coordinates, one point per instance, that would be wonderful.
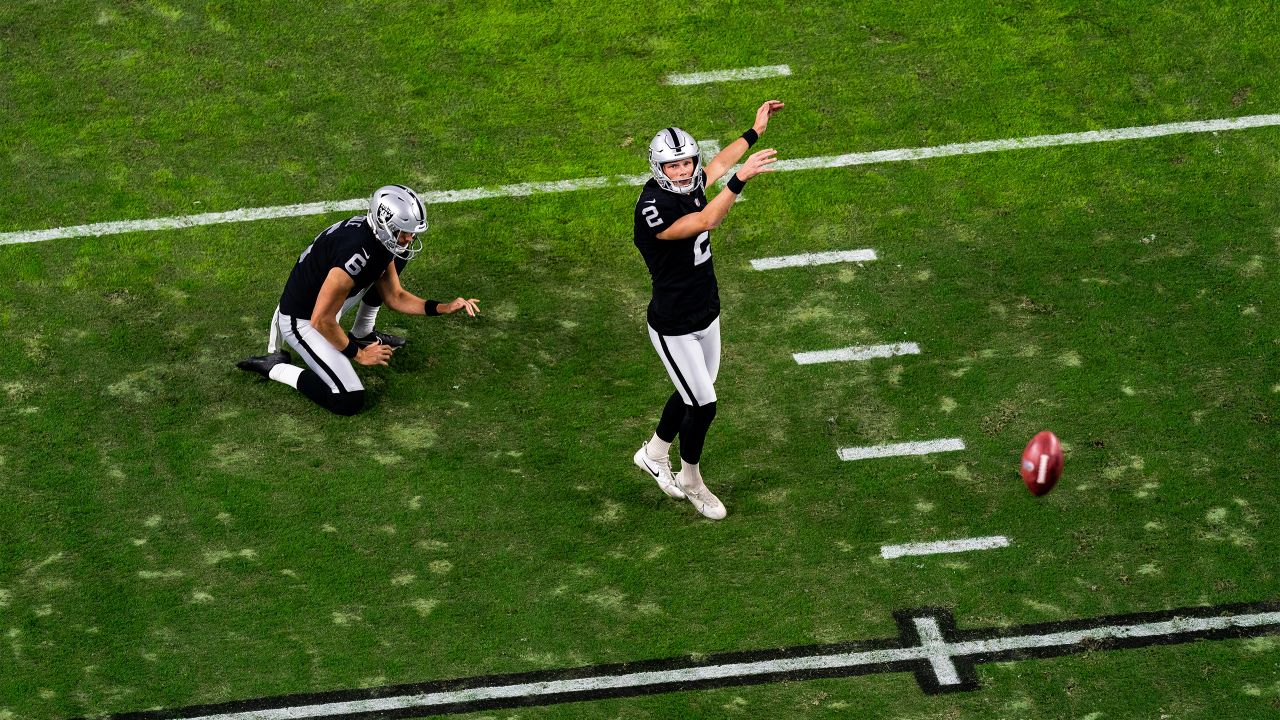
(1165, 628)
(532, 188)
(426, 701)
(318, 208)
(751, 73)
(889, 552)
(1036, 141)
(182, 221)
(821, 258)
(923, 447)
(856, 353)
(933, 647)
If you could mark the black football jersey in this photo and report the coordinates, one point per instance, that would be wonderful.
(685, 296)
(347, 244)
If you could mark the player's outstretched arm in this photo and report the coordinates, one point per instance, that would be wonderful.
(710, 218)
(729, 157)
(401, 300)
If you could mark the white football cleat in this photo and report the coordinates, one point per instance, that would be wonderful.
(659, 470)
(704, 501)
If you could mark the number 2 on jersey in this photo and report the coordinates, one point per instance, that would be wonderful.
(702, 248)
(650, 213)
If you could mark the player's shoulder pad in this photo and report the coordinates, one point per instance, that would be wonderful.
(353, 229)
(345, 240)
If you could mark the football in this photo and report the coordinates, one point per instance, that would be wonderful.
(1042, 463)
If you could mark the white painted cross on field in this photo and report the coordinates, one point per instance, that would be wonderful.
(942, 658)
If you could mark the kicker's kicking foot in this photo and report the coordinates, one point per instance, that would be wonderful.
(659, 470)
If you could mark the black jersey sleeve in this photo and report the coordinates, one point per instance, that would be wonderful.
(350, 249)
(349, 245)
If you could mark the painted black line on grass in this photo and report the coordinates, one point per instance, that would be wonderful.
(941, 657)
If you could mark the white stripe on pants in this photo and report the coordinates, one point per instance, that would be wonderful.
(273, 337)
(692, 361)
(320, 355)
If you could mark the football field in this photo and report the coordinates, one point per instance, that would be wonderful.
(989, 219)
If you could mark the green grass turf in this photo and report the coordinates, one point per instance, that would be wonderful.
(176, 533)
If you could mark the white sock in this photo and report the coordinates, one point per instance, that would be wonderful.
(287, 374)
(689, 475)
(365, 315)
(657, 448)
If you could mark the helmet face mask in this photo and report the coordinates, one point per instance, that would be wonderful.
(395, 209)
(670, 145)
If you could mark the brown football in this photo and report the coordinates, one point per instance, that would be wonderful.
(1042, 463)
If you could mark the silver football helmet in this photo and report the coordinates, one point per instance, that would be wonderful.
(394, 209)
(670, 145)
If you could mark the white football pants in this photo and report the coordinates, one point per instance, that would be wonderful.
(318, 353)
(692, 361)
(273, 335)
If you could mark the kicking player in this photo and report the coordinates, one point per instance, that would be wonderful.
(673, 224)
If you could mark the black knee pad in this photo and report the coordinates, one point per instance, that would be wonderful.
(343, 403)
(347, 403)
(705, 413)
